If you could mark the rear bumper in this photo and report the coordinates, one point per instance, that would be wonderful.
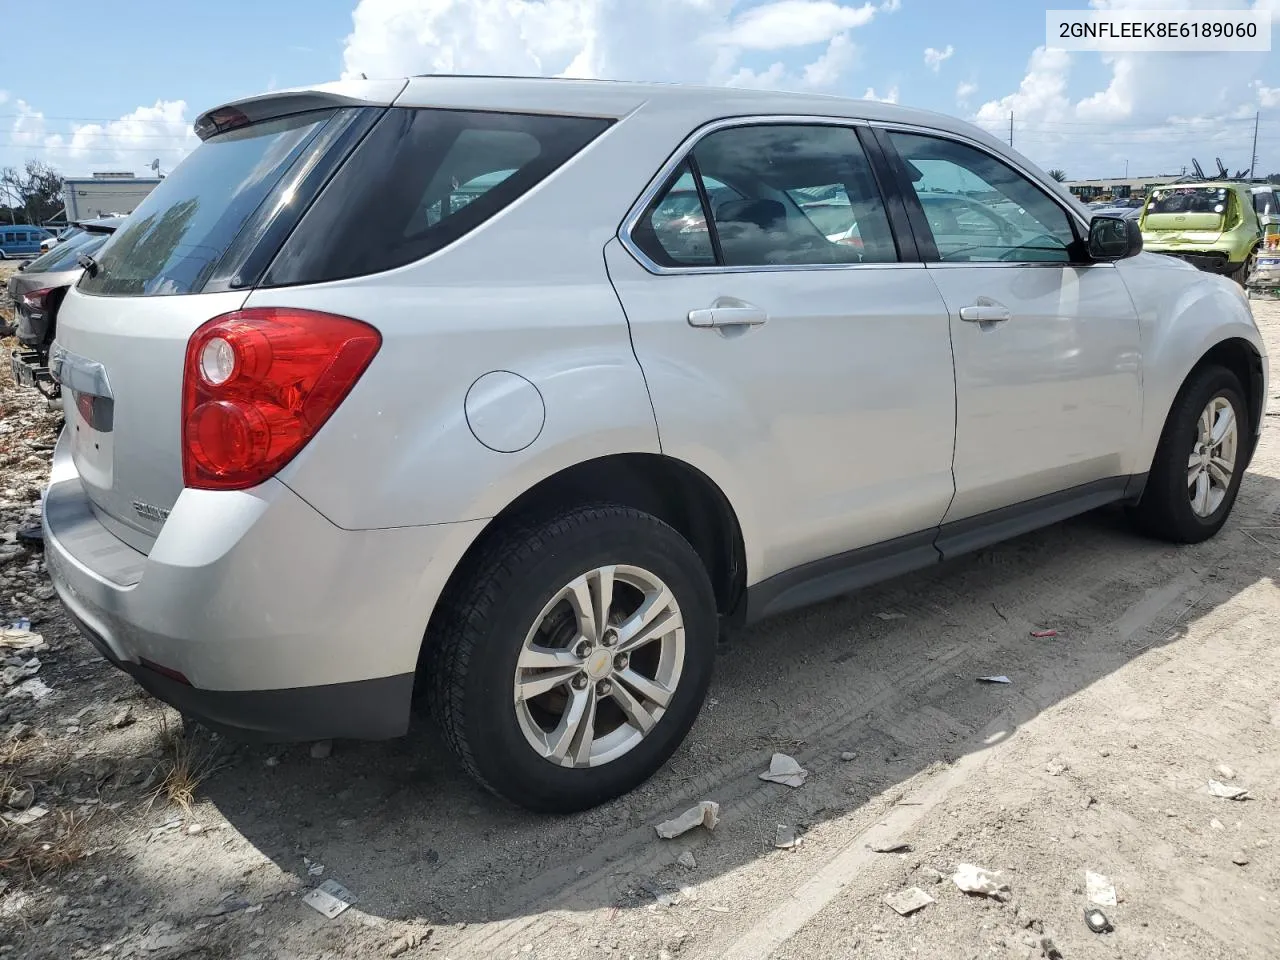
(1207, 260)
(374, 709)
(251, 612)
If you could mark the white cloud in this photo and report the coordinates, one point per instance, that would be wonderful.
(965, 90)
(4, 96)
(794, 23)
(132, 142)
(1267, 96)
(1155, 110)
(893, 6)
(891, 96)
(700, 41)
(933, 58)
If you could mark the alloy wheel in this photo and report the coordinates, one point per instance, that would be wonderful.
(600, 666)
(1212, 463)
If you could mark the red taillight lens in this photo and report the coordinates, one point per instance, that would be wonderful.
(37, 299)
(258, 385)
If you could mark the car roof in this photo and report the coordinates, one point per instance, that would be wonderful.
(1205, 184)
(606, 98)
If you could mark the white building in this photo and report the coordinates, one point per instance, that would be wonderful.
(104, 194)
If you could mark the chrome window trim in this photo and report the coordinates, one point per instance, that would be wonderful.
(679, 156)
(891, 126)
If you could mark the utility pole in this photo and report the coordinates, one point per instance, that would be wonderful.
(1011, 128)
(1253, 157)
(1126, 169)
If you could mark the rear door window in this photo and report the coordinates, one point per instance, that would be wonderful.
(173, 241)
(420, 180)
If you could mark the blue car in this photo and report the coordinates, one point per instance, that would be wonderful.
(21, 240)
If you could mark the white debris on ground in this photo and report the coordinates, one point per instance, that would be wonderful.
(786, 771)
(705, 814)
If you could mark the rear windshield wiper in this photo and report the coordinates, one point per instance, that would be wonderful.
(90, 265)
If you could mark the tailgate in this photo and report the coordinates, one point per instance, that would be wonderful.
(120, 362)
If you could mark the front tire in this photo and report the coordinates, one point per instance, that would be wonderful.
(570, 657)
(1199, 463)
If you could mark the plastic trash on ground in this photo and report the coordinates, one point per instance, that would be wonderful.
(785, 770)
(1219, 789)
(330, 898)
(705, 814)
(978, 880)
(786, 838)
(908, 901)
(1100, 889)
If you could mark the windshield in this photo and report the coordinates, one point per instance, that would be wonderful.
(1189, 200)
(173, 241)
(63, 256)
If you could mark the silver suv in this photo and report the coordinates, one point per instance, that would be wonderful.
(519, 393)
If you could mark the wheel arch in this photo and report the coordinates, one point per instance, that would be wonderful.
(672, 490)
(1244, 360)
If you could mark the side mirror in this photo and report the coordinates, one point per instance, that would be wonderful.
(1114, 238)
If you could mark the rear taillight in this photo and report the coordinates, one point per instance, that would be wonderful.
(37, 299)
(257, 386)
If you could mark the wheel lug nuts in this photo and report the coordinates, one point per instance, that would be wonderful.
(604, 688)
(620, 662)
(582, 650)
(580, 682)
(610, 637)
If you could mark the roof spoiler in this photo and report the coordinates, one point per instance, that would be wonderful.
(283, 103)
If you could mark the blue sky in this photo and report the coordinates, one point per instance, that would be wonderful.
(1077, 111)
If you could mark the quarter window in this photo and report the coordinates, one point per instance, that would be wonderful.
(779, 194)
(980, 209)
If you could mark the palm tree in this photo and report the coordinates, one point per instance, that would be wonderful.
(1058, 174)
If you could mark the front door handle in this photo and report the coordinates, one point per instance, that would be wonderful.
(985, 310)
(742, 315)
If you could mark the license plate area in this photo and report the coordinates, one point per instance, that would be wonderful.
(90, 410)
(92, 448)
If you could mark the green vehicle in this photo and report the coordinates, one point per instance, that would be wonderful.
(1215, 226)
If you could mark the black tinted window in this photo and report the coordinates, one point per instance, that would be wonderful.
(672, 232)
(63, 256)
(807, 196)
(419, 181)
(173, 241)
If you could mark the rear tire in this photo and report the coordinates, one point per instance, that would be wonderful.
(1241, 276)
(516, 620)
(1189, 493)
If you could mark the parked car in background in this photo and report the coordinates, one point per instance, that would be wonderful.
(1214, 226)
(332, 439)
(1124, 213)
(21, 240)
(63, 235)
(37, 292)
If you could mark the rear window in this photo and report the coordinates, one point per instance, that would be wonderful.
(422, 179)
(173, 241)
(63, 256)
(1189, 200)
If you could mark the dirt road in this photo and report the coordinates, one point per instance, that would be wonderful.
(1095, 757)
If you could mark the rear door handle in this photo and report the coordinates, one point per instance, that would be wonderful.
(985, 310)
(728, 316)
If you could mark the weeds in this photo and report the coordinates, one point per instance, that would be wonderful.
(189, 758)
(44, 855)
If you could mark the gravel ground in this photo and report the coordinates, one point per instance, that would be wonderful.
(164, 844)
